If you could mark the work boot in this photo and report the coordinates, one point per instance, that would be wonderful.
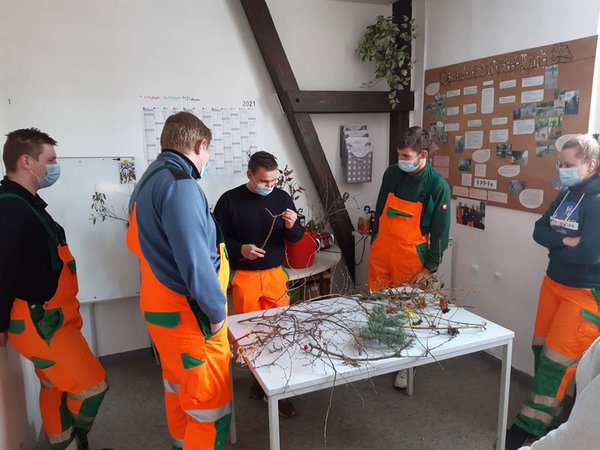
(516, 437)
(401, 381)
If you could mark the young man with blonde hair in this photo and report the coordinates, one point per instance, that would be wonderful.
(185, 272)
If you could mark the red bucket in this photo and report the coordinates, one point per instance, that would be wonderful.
(301, 254)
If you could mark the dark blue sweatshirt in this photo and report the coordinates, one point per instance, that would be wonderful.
(575, 212)
(177, 233)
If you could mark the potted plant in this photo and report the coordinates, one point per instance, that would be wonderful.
(387, 45)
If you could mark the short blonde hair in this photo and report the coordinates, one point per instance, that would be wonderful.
(587, 147)
(182, 131)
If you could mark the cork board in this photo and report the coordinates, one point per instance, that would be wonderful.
(499, 121)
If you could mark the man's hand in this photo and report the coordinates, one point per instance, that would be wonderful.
(421, 276)
(3, 339)
(214, 327)
(571, 241)
(289, 217)
(252, 252)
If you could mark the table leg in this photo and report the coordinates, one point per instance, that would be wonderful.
(504, 391)
(410, 381)
(232, 430)
(274, 423)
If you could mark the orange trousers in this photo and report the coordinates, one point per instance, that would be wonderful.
(73, 383)
(256, 290)
(195, 362)
(565, 327)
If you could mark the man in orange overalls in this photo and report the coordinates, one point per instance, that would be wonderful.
(412, 220)
(256, 218)
(185, 272)
(39, 311)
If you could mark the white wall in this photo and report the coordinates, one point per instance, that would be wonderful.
(80, 68)
(502, 267)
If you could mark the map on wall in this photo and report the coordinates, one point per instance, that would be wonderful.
(234, 129)
(500, 121)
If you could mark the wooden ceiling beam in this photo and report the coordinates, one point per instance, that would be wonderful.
(335, 102)
(282, 76)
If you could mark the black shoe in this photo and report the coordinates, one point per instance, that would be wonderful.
(256, 391)
(516, 437)
(83, 440)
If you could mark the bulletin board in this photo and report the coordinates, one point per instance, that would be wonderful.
(499, 121)
(106, 269)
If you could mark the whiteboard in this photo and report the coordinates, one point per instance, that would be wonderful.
(106, 269)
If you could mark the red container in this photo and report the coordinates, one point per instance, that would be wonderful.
(301, 254)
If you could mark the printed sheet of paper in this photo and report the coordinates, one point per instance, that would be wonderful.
(507, 99)
(500, 121)
(536, 95)
(508, 84)
(481, 156)
(460, 191)
(479, 194)
(532, 81)
(473, 139)
(487, 101)
(531, 198)
(499, 135)
(526, 126)
(451, 127)
(470, 108)
(480, 170)
(469, 90)
(466, 179)
(499, 197)
(474, 123)
(453, 111)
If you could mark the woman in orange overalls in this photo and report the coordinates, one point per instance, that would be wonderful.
(568, 312)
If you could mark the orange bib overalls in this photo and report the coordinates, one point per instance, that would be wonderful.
(397, 253)
(195, 362)
(73, 383)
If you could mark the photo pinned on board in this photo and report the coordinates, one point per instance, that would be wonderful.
(568, 100)
(551, 77)
(464, 165)
(459, 144)
(548, 129)
(525, 111)
(437, 108)
(520, 157)
(504, 151)
(517, 186)
(470, 213)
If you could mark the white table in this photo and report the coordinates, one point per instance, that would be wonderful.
(292, 375)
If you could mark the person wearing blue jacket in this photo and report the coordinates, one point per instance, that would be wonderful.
(185, 272)
(568, 313)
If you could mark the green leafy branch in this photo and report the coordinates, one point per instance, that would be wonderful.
(101, 211)
(387, 45)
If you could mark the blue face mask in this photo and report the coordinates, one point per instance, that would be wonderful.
(263, 190)
(569, 176)
(204, 171)
(52, 175)
(408, 166)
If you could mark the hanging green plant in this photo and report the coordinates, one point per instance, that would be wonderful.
(387, 45)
